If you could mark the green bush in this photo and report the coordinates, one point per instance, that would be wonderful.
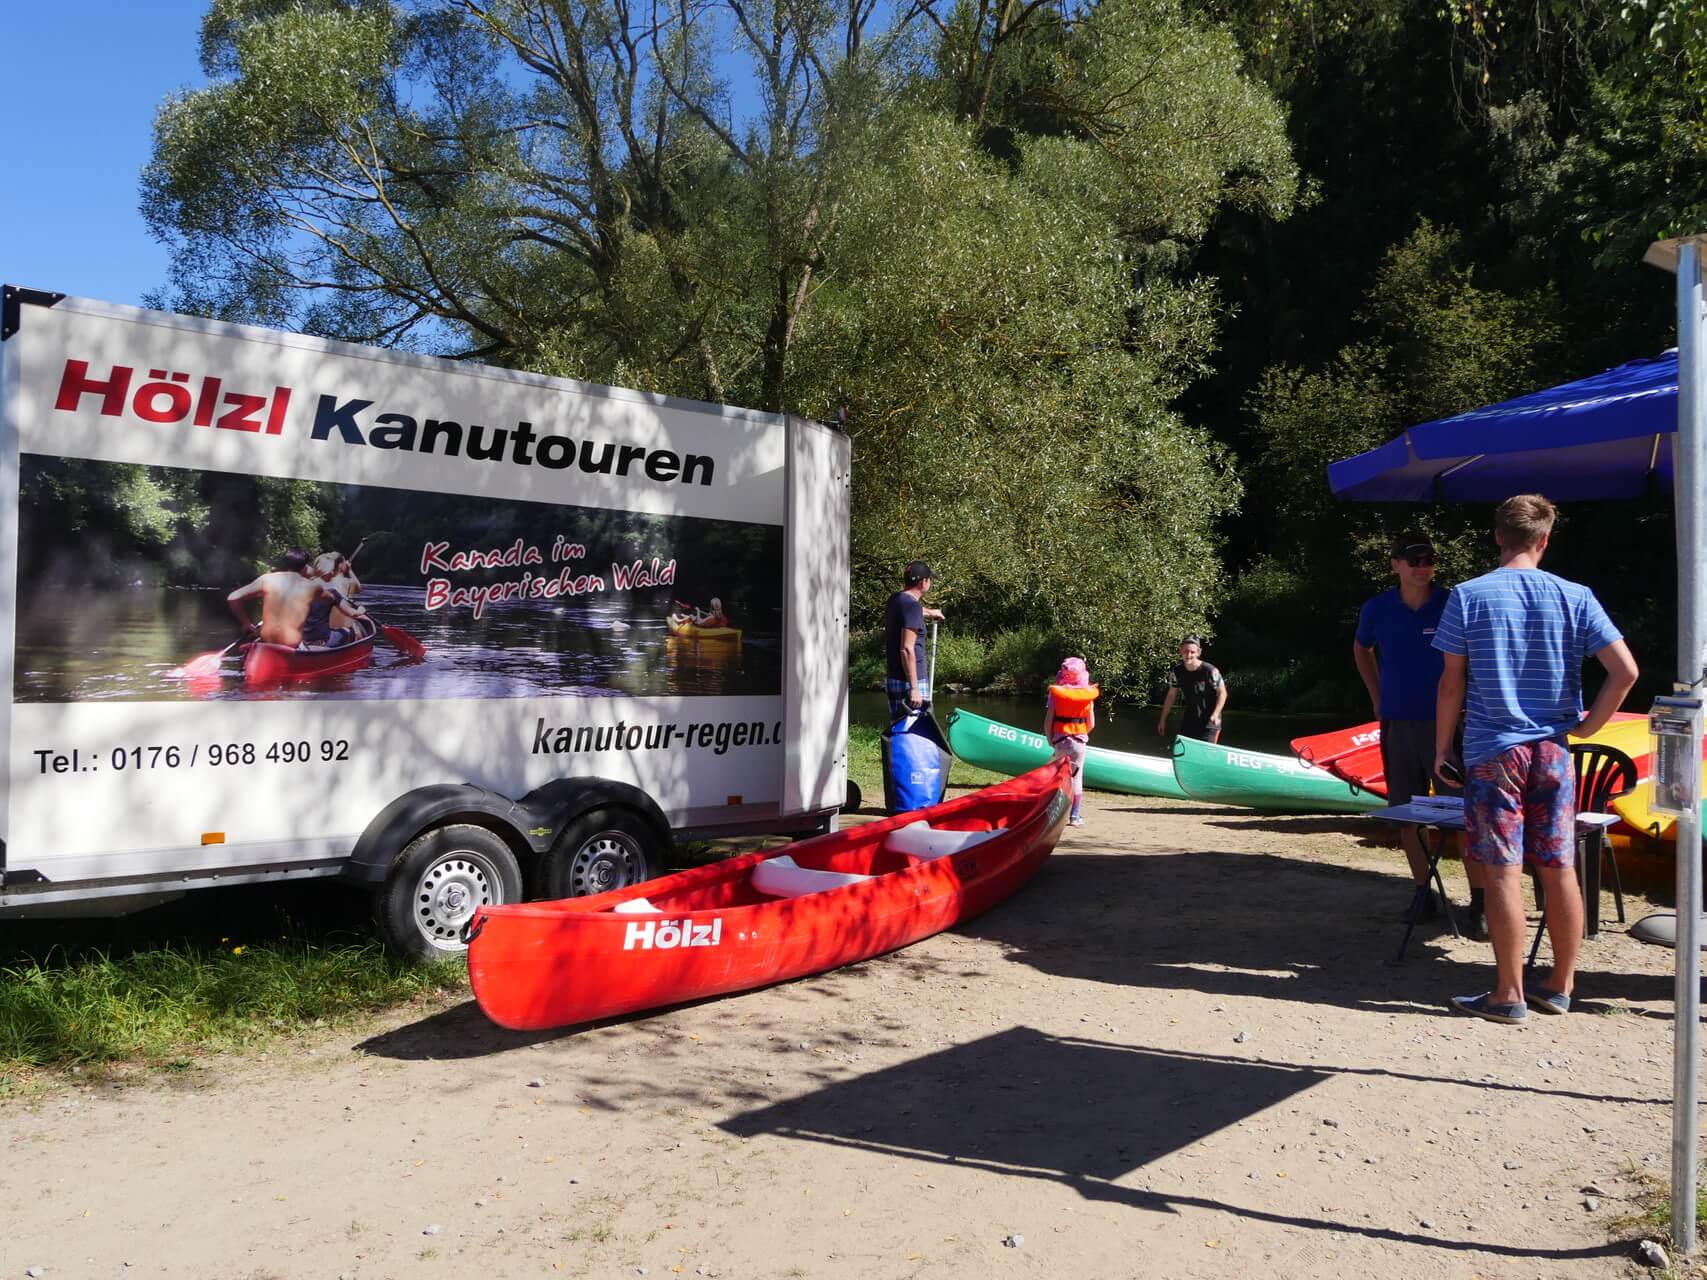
(961, 659)
(865, 660)
(1025, 659)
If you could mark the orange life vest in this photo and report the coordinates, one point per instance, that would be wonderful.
(1071, 707)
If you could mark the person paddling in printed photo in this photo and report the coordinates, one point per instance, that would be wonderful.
(333, 569)
(1069, 715)
(1201, 692)
(296, 606)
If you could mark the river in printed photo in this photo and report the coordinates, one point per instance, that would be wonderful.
(124, 644)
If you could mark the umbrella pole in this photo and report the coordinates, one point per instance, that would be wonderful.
(1690, 485)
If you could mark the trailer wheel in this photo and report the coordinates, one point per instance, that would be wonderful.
(437, 883)
(602, 850)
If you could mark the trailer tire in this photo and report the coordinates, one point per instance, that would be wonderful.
(609, 848)
(437, 883)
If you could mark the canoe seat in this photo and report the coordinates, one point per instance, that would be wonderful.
(783, 877)
(636, 907)
(925, 841)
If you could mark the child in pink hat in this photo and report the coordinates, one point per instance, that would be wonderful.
(1069, 717)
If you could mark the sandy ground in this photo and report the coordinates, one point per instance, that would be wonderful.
(1177, 1053)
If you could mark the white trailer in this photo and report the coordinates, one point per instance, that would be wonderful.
(547, 543)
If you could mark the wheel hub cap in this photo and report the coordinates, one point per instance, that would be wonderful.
(448, 895)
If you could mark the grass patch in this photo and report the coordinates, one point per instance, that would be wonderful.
(152, 1003)
(1650, 1212)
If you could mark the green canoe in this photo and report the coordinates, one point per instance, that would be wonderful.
(1001, 748)
(1255, 780)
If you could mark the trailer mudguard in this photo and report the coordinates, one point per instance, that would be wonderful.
(435, 806)
(562, 800)
(528, 825)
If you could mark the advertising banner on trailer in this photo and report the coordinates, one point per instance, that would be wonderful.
(452, 573)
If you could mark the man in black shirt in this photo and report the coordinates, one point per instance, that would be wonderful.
(904, 619)
(1201, 692)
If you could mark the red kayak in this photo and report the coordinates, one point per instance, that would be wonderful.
(277, 663)
(765, 917)
(1353, 754)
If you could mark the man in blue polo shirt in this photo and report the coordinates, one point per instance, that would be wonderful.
(1514, 642)
(1395, 654)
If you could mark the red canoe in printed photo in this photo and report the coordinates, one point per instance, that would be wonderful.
(765, 917)
(265, 664)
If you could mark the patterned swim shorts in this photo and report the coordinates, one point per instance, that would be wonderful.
(1521, 806)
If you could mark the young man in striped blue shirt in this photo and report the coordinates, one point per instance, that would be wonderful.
(1514, 642)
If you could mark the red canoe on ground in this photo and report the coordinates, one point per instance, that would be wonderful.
(1353, 754)
(765, 917)
(277, 663)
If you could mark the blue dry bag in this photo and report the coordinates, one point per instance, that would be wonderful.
(916, 761)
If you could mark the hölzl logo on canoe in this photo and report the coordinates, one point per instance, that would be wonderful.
(664, 935)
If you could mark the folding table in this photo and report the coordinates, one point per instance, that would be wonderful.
(1435, 822)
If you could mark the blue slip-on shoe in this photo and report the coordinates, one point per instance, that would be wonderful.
(1481, 1007)
(1544, 1001)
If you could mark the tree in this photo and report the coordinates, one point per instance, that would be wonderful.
(966, 225)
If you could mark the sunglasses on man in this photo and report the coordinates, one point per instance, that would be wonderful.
(1419, 557)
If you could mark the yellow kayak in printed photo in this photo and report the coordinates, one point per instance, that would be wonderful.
(688, 629)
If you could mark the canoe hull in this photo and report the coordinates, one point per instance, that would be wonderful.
(1003, 748)
(265, 664)
(1257, 780)
(693, 631)
(539, 965)
(1354, 754)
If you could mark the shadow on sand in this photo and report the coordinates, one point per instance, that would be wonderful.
(1253, 924)
(1077, 1112)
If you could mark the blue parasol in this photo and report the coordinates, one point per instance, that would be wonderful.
(1609, 436)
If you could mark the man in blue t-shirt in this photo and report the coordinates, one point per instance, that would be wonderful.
(1395, 654)
(904, 618)
(1514, 641)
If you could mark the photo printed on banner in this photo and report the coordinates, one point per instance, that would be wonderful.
(149, 584)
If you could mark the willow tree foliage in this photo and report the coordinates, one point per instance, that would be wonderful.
(963, 226)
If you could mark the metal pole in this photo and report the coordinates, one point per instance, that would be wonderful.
(1690, 475)
(930, 674)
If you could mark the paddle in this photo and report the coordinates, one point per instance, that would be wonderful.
(401, 640)
(207, 664)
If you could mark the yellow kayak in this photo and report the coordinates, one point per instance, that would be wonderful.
(688, 629)
(1627, 732)
(1636, 808)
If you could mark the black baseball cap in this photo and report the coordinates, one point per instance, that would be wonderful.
(1196, 640)
(1409, 543)
(916, 571)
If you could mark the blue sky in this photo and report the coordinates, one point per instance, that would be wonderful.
(82, 81)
